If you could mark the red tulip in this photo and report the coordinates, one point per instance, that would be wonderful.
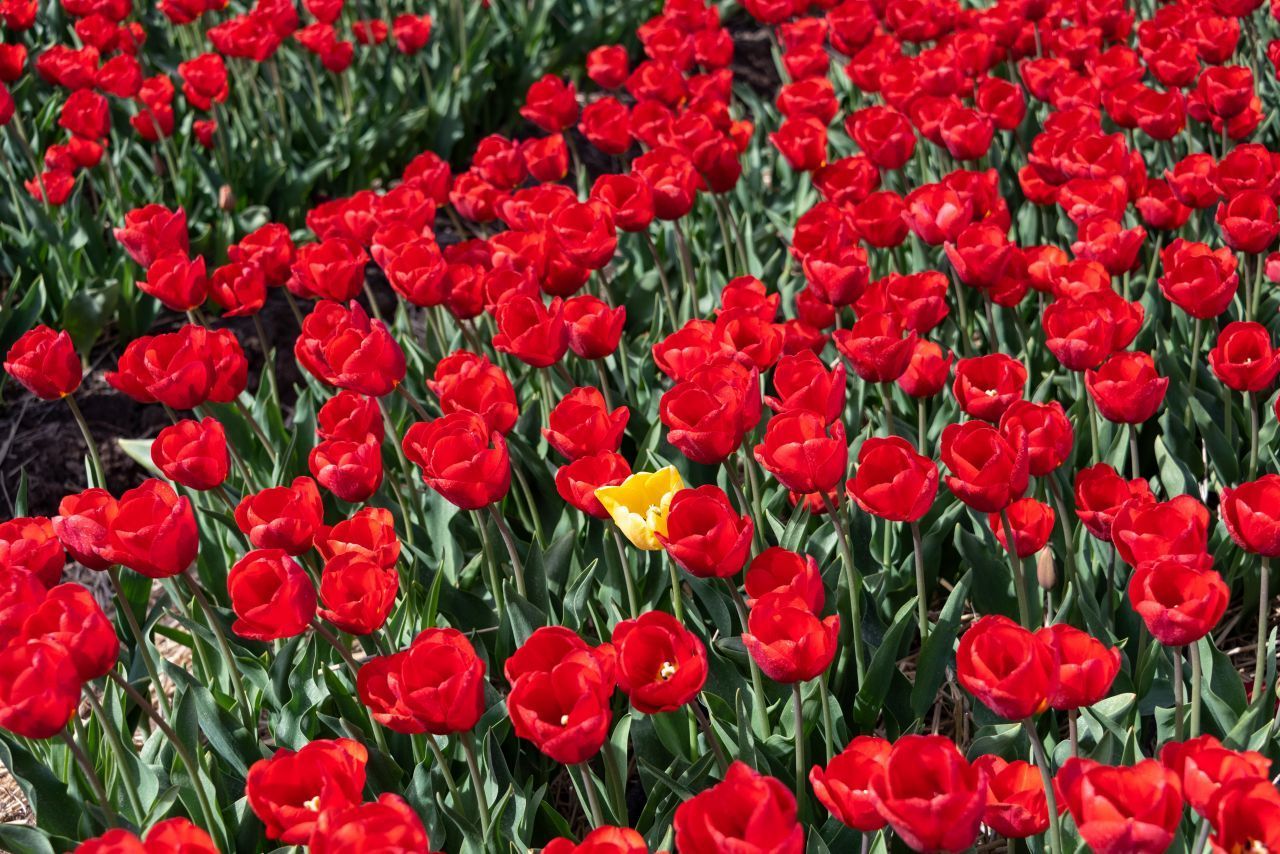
(876, 347)
(705, 535)
(29, 544)
(436, 685)
(844, 786)
(661, 665)
(1204, 767)
(460, 459)
(369, 533)
(291, 790)
(1126, 388)
(578, 481)
(271, 596)
(45, 363)
(387, 824)
(1009, 669)
(747, 812)
(986, 386)
(1031, 522)
(803, 453)
(466, 382)
(788, 641)
(1119, 810)
(357, 593)
(152, 232)
(1250, 515)
(602, 840)
(1246, 817)
(39, 688)
(931, 797)
(1179, 602)
(563, 709)
(580, 425)
(989, 470)
(69, 615)
(1086, 666)
(343, 347)
(594, 328)
(193, 453)
(1100, 493)
(350, 470)
(1048, 430)
(892, 481)
(1178, 528)
(153, 531)
(927, 371)
(777, 569)
(1243, 359)
(1016, 804)
(282, 517)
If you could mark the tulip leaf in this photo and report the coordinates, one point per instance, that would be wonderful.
(937, 651)
(55, 810)
(23, 839)
(871, 695)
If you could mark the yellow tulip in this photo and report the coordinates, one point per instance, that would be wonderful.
(639, 505)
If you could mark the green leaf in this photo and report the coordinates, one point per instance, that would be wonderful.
(937, 650)
(875, 686)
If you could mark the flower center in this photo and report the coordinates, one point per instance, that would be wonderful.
(313, 804)
(666, 671)
(564, 720)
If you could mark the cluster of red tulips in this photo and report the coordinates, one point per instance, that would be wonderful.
(672, 307)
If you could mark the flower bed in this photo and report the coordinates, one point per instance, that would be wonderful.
(881, 458)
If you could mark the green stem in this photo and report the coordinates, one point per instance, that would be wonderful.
(1179, 698)
(123, 758)
(828, 728)
(189, 760)
(237, 684)
(91, 774)
(509, 541)
(1252, 405)
(854, 582)
(722, 762)
(759, 710)
(99, 473)
(922, 599)
(450, 783)
(1019, 578)
(1046, 778)
(633, 600)
(677, 597)
(1197, 677)
(1197, 336)
(593, 800)
(797, 703)
(1264, 607)
(477, 782)
(122, 605)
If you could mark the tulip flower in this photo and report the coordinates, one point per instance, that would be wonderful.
(640, 505)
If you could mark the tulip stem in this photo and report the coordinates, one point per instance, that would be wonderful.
(417, 407)
(1252, 405)
(758, 707)
(116, 743)
(408, 484)
(633, 601)
(477, 782)
(1019, 579)
(828, 729)
(95, 782)
(450, 783)
(99, 473)
(1046, 779)
(797, 704)
(1178, 696)
(593, 800)
(509, 541)
(735, 480)
(491, 567)
(1073, 731)
(677, 598)
(256, 428)
(1197, 336)
(722, 762)
(334, 641)
(1264, 608)
(122, 605)
(1134, 460)
(1202, 838)
(854, 581)
(922, 599)
(1197, 676)
(193, 766)
(664, 281)
(1068, 538)
(922, 426)
(237, 686)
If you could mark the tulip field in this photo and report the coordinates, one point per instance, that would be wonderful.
(612, 427)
